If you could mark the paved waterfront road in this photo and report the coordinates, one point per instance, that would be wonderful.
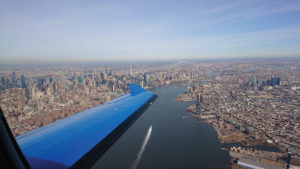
(175, 142)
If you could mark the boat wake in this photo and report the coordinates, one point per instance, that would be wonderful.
(140, 153)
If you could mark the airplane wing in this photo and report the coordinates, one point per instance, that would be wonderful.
(79, 140)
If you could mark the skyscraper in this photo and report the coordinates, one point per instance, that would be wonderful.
(13, 79)
(23, 84)
(278, 81)
(27, 94)
(254, 82)
(80, 80)
(3, 81)
(198, 103)
(275, 81)
(7, 82)
(40, 84)
(272, 81)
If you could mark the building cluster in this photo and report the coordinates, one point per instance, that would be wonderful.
(253, 103)
(32, 98)
(267, 110)
(259, 99)
(260, 84)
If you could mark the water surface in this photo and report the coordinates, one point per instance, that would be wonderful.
(175, 142)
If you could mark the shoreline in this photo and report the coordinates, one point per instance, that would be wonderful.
(227, 135)
(254, 147)
(240, 144)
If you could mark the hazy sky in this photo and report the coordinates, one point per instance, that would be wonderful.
(137, 29)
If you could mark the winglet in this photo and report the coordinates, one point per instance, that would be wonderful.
(135, 89)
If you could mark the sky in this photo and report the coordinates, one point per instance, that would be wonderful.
(74, 30)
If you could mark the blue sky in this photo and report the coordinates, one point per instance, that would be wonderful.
(154, 29)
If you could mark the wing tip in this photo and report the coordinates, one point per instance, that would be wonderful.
(135, 89)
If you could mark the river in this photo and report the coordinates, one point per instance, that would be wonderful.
(177, 141)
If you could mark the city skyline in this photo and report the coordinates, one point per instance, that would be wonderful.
(250, 102)
(140, 30)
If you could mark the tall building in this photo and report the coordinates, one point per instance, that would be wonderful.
(41, 82)
(268, 82)
(7, 82)
(13, 79)
(198, 103)
(278, 81)
(80, 80)
(146, 78)
(191, 75)
(275, 81)
(3, 82)
(254, 82)
(272, 81)
(27, 94)
(23, 84)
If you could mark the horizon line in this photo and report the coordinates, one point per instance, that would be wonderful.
(137, 60)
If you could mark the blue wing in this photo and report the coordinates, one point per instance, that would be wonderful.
(72, 141)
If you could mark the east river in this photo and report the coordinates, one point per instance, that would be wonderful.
(177, 140)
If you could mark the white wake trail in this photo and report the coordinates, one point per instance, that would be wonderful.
(139, 155)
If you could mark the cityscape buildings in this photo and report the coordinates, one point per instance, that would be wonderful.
(249, 102)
